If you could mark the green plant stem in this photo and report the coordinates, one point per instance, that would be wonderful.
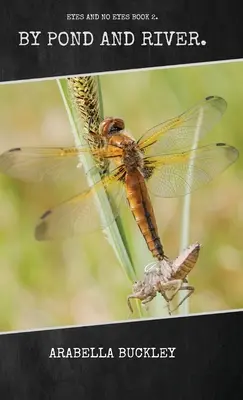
(185, 221)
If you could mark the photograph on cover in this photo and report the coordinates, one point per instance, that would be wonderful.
(121, 196)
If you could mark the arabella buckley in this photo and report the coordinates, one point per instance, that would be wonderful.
(120, 352)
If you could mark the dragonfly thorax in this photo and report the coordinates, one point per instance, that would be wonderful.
(132, 156)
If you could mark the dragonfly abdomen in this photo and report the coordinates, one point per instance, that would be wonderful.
(142, 210)
(182, 266)
(183, 271)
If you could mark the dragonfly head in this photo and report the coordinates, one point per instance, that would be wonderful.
(111, 126)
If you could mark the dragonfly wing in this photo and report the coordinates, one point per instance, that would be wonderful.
(179, 174)
(40, 164)
(81, 214)
(36, 164)
(178, 133)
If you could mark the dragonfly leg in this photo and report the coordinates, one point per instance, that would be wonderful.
(145, 298)
(190, 290)
(175, 284)
(168, 307)
(131, 296)
(149, 298)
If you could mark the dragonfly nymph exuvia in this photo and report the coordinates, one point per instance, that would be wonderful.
(163, 162)
(166, 277)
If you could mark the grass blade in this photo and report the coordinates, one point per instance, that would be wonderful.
(185, 220)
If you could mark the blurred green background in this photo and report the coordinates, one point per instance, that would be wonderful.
(80, 281)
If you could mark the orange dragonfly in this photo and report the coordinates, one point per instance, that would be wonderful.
(163, 162)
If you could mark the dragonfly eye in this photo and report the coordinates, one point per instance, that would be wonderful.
(113, 129)
(110, 126)
(116, 125)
